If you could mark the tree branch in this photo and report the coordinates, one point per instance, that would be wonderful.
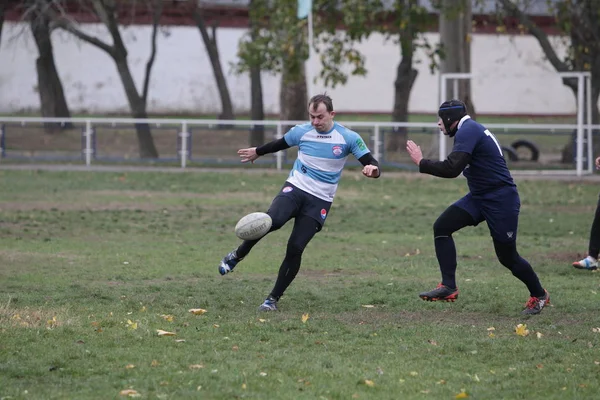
(70, 27)
(538, 33)
(156, 13)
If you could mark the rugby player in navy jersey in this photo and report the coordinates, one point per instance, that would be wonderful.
(492, 198)
(307, 194)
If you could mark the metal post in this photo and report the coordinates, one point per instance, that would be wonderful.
(184, 137)
(579, 156)
(2, 138)
(590, 136)
(377, 142)
(455, 88)
(442, 141)
(279, 154)
(88, 142)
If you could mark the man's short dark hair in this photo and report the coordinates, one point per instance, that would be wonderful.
(321, 98)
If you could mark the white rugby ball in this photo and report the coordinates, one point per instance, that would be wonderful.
(253, 226)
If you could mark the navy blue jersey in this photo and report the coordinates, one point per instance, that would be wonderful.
(487, 169)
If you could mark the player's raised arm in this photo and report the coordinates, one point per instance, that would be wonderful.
(451, 167)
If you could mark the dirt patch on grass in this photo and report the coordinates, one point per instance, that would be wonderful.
(84, 206)
(335, 273)
(380, 316)
(566, 257)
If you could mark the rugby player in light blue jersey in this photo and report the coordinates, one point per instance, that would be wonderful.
(307, 194)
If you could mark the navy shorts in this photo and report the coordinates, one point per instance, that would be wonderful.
(303, 204)
(500, 209)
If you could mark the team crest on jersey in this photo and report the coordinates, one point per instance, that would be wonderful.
(323, 213)
(287, 189)
(337, 150)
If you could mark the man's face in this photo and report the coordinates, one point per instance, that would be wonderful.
(443, 128)
(321, 119)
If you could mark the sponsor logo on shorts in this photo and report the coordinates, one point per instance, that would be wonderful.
(323, 213)
(287, 189)
(509, 234)
(337, 150)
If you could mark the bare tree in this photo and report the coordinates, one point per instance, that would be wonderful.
(210, 42)
(257, 110)
(52, 98)
(2, 9)
(455, 35)
(107, 12)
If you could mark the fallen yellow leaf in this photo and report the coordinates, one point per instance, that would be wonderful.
(243, 386)
(491, 328)
(305, 317)
(368, 306)
(196, 366)
(129, 366)
(132, 325)
(168, 318)
(129, 393)
(461, 395)
(197, 311)
(522, 330)
(414, 373)
(262, 320)
(369, 383)
(539, 335)
(154, 363)
(165, 333)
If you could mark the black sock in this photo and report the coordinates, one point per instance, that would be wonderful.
(520, 268)
(445, 250)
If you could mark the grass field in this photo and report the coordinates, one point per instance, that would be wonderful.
(92, 265)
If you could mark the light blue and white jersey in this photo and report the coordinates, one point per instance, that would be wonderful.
(321, 157)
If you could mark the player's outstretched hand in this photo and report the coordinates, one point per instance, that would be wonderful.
(414, 151)
(598, 163)
(370, 171)
(248, 154)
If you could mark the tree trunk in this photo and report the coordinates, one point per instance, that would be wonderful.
(2, 8)
(293, 98)
(405, 79)
(138, 109)
(257, 111)
(455, 26)
(213, 54)
(52, 97)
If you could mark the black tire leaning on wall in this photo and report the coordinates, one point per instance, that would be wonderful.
(510, 152)
(533, 149)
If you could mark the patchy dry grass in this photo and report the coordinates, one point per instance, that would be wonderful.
(93, 265)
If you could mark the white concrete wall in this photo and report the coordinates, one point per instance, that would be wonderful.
(512, 76)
